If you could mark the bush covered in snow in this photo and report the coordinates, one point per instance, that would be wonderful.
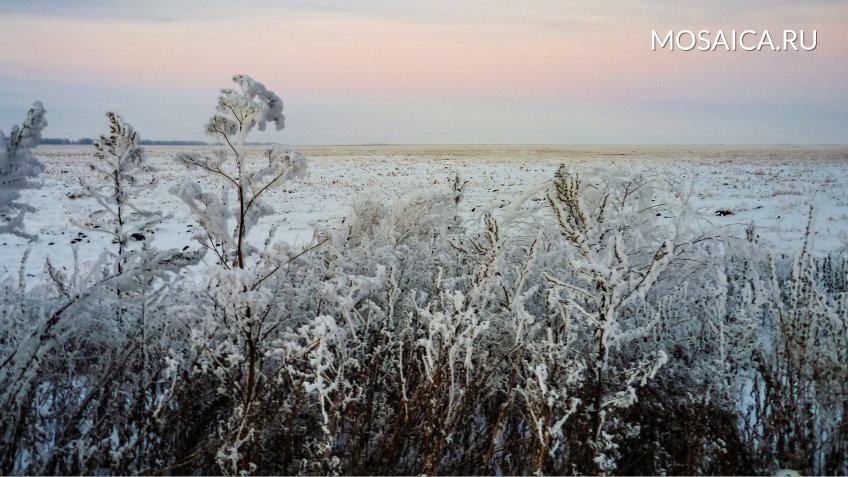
(578, 331)
(17, 167)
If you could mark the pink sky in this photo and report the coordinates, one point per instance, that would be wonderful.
(550, 72)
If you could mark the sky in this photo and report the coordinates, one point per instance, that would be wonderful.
(430, 72)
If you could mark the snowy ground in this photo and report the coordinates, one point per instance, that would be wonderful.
(769, 186)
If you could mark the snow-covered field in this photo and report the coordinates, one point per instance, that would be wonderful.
(768, 186)
(526, 318)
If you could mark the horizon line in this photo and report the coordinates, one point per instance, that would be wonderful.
(189, 142)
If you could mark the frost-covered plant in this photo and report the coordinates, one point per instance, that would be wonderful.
(122, 175)
(91, 334)
(610, 265)
(70, 355)
(232, 341)
(18, 166)
(228, 215)
(799, 392)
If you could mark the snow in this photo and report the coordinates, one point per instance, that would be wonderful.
(768, 186)
(472, 328)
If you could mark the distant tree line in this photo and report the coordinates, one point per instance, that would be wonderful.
(145, 142)
(87, 141)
